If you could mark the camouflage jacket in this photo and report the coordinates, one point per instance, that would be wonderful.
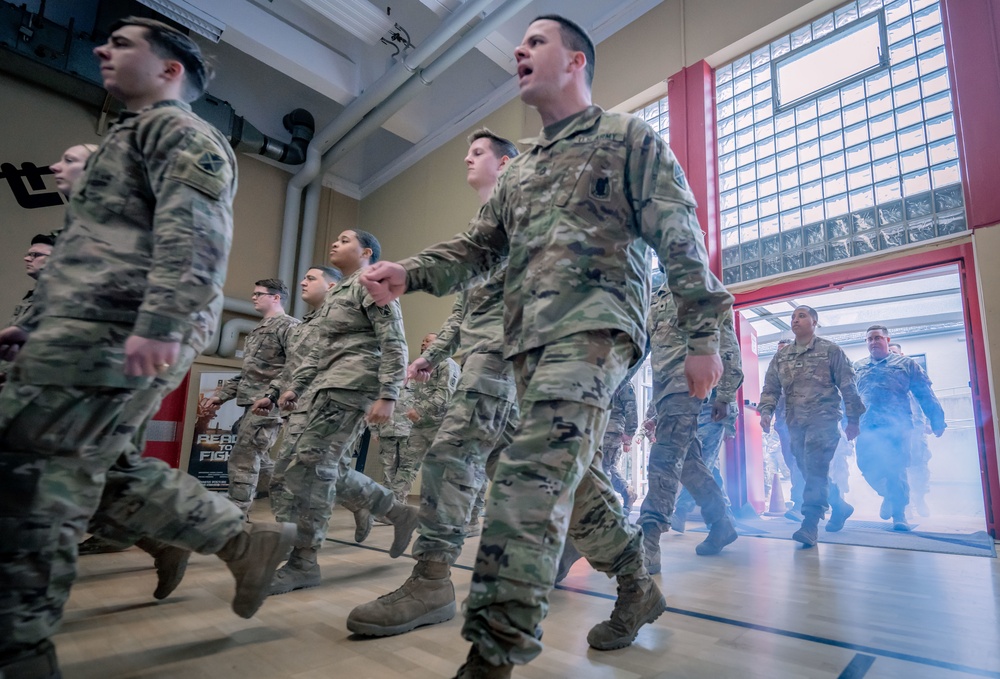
(624, 418)
(23, 309)
(399, 425)
(885, 387)
(359, 346)
(430, 398)
(668, 349)
(301, 339)
(574, 214)
(265, 352)
(143, 251)
(813, 379)
(474, 332)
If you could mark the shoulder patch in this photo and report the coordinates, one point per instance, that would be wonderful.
(679, 177)
(212, 163)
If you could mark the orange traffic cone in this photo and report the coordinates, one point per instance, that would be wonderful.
(776, 507)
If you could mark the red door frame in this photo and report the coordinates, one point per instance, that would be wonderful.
(982, 406)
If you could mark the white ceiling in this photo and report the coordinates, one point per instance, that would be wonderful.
(277, 55)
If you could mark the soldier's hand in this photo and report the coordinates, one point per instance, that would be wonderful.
(412, 415)
(937, 432)
(214, 402)
(380, 412)
(650, 427)
(384, 281)
(626, 443)
(11, 341)
(720, 411)
(146, 357)
(852, 430)
(287, 400)
(765, 423)
(420, 370)
(703, 372)
(262, 406)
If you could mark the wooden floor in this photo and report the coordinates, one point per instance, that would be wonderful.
(764, 608)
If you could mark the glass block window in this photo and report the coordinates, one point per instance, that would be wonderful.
(869, 165)
(657, 115)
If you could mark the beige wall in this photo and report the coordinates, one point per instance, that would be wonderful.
(986, 242)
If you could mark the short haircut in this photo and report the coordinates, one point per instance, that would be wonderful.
(885, 330)
(44, 239)
(275, 286)
(331, 274)
(501, 147)
(784, 342)
(896, 344)
(574, 38)
(169, 43)
(812, 312)
(368, 240)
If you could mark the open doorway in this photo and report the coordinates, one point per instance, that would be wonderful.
(925, 313)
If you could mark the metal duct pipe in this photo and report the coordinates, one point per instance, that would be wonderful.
(351, 116)
(247, 138)
(230, 335)
(310, 220)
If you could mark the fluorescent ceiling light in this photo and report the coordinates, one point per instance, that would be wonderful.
(359, 17)
(189, 16)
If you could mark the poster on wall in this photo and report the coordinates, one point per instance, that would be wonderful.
(214, 433)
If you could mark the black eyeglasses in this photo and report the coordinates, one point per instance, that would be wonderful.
(35, 255)
(255, 295)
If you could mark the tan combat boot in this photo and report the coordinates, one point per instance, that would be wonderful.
(362, 524)
(300, 572)
(808, 534)
(170, 563)
(639, 602)
(426, 598)
(404, 520)
(722, 533)
(95, 544)
(252, 556)
(476, 667)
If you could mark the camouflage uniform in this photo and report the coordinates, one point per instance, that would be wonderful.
(813, 378)
(918, 473)
(883, 446)
(477, 427)
(359, 356)
(144, 252)
(21, 312)
(676, 457)
(572, 212)
(784, 440)
(392, 437)
(264, 354)
(623, 420)
(430, 400)
(710, 433)
(354, 490)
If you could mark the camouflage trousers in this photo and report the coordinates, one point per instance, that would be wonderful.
(676, 458)
(919, 473)
(354, 490)
(883, 456)
(485, 475)
(390, 449)
(250, 460)
(548, 484)
(411, 456)
(611, 453)
(813, 446)
(475, 427)
(321, 457)
(57, 445)
(711, 434)
(798, 481)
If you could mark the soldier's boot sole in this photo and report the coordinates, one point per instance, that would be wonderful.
(419, 602)
(633, 609)
(98, 545)
(404, 521)
(476, 667)
(722, 533)
(839, 518)
(252, 557)
(288, 578)
(170, 563)
(363, 523)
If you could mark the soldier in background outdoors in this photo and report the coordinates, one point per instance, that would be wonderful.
(265, 351)
(918, 473)
(477, 427)
(575, 214)
(427, 408)
(814, 375)
(131, 295)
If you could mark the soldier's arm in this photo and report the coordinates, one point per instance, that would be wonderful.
(436, 393)
(449, 266)
(193, 179)
(631, 411)
(387, 322)
(771, 392)
(449, 336)
(920, 387)
(732, 363)
(308, 369)
(843, 377)
(665, 209)
(229, 388)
